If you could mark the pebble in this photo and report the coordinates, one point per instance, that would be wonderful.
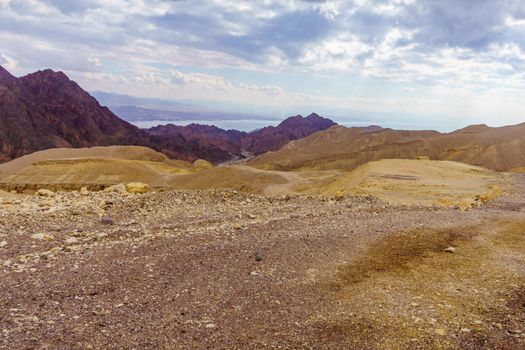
(450, 250)
(3, 244)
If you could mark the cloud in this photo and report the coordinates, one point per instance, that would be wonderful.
(8, 62)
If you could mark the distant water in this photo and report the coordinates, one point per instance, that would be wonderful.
(242, 125)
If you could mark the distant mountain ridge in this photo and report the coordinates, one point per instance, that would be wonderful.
(46, 109)
(237, 143)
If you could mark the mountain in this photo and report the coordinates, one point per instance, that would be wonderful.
(47, 110)
(218, 145)
(272, 138)
(196, 141)
(501, 148)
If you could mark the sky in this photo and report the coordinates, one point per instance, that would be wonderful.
(437, 64)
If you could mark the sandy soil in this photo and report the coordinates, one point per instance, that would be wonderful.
(228, 270)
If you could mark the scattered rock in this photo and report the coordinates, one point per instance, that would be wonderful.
(84, 191)
(137, 187)
(451, 250)
(258, 257)
(210, 326)
(3, 244)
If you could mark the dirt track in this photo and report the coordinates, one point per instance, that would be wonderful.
(225, 270)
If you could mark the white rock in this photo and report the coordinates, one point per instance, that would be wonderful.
(43, 237)
(3, 244)
(71, 240)
(45, 193)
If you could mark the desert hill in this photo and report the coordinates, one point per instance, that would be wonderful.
(339, 147)
(94, 168)
(396, 181)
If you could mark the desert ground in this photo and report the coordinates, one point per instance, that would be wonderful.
(397, 254)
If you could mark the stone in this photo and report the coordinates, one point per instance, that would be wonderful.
(439, 331)
(43, 237)
(45, 193)
(451, 250)
(107, 220)
(211, 326)
(201, 164)
(3, 244)
(120, 188)
(71, 240)
(258, 257)
(137, 187)
(84, 191)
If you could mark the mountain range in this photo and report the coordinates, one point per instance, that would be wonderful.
(46, 110)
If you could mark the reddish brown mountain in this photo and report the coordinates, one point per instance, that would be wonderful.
(196, 141)
(47, 110)
(272, 138)
(217, 145)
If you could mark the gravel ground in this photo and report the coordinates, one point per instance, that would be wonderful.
(229, 270)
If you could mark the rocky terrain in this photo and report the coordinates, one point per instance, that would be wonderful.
(223, 269)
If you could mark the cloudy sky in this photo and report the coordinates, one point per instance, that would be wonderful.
(405, 63)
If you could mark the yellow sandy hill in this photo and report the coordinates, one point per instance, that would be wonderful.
(92, 167)
(339, 147)
(400, 181)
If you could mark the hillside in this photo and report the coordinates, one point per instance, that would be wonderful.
(94, 168)
(339, 147)
(46, 110)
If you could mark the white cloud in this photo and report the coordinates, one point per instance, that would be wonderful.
(8, 62)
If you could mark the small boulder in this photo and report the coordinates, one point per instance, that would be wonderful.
(43, 237)
(3, 244)
(106, 220)
(71, 240)
(120, 188)
(137, 187)
(201, 164)
(451, 250)
(84, 191)
(45, 193)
